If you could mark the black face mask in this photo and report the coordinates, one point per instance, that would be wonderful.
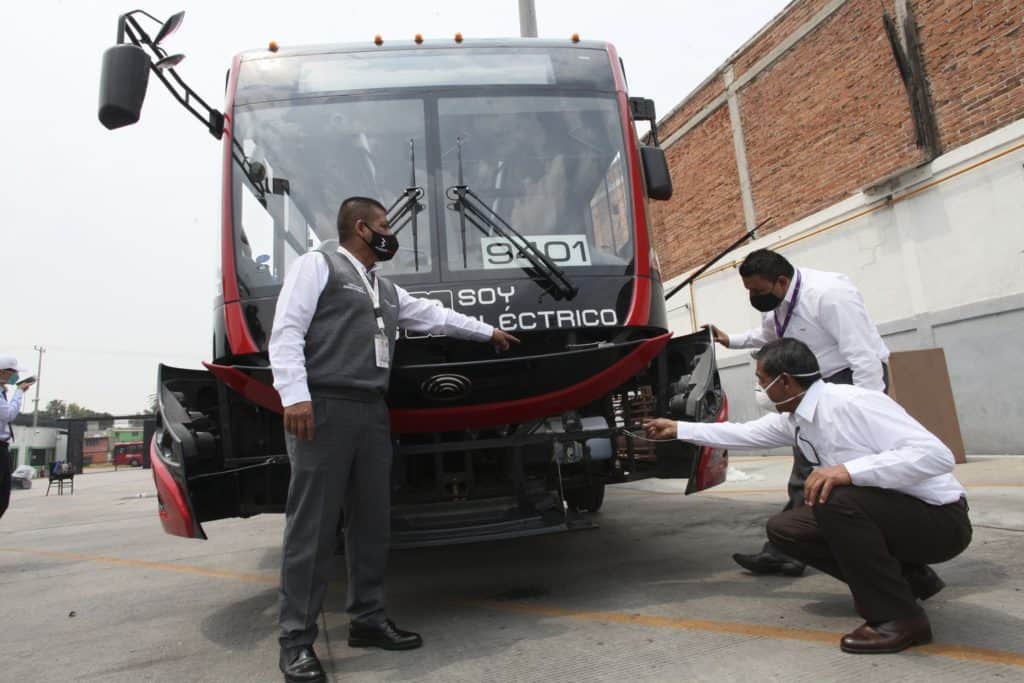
(384, 246)
(765, 302)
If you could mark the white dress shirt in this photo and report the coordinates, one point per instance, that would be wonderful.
(9, 409)
(305, 281)
(866, 431)
(830, 317)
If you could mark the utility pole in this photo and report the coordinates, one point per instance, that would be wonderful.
(39, 376)
(527, 19)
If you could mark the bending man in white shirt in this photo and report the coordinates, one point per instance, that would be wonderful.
(881, 503)
(826, 312)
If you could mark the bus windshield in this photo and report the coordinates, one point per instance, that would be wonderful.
(316, 154)
(551, 166)
(549, 162)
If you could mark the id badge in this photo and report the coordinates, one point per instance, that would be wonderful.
(380, 344)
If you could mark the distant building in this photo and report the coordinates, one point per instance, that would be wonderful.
(96, 448)
(40, 446)
(125, 431)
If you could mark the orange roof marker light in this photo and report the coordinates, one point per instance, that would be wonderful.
(273, 46)
(575, 38)
(458, 37)
(419, 38)
(378, 40)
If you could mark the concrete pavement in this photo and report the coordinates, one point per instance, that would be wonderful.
(91, 589)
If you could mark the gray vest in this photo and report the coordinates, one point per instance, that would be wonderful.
(340, 357)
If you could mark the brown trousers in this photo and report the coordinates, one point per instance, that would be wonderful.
(869, 537)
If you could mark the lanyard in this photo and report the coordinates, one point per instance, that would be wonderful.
(373, 291)
(797, 439)
(781, 329)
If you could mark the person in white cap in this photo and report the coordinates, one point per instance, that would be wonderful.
(10, 406)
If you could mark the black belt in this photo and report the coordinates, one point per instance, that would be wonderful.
(850, 370)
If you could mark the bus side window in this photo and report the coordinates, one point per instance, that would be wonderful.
(608, 206)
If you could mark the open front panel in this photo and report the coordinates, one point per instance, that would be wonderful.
(225, 455)
(684, 385)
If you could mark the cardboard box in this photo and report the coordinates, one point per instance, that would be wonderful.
(919, 381)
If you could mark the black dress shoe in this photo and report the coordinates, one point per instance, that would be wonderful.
(888, 637)
(300, 665)
(924, 582)
(386, 636)
(769, 563)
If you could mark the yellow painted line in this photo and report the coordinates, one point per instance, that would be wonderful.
(734, 628)
(626, 490)
(143, 564)
(972, 654)
(993, 486)
(962, 652)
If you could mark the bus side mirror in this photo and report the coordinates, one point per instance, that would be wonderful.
(659, 182)
(123, 83)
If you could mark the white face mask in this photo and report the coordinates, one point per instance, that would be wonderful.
(767, 404)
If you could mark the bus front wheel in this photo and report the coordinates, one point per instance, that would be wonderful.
(587, 498)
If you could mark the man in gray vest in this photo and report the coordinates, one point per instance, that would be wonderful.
(331, 350)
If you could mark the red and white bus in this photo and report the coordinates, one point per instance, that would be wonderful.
(520, 192)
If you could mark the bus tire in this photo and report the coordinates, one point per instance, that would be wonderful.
(586, 498)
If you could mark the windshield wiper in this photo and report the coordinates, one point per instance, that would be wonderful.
(474, 210)
(407, 207)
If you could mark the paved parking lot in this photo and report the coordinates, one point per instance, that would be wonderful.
(91, 589)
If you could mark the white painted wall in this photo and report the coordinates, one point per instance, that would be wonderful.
(25, 438)
(939, 264)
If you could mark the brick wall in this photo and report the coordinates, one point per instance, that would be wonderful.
(830, 115)
(974, 56)
(775, 33)
(827, 119)
(705, 201)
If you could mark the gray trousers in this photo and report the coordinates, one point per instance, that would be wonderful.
(347, 466)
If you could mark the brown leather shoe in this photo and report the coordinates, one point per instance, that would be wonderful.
(888, 637)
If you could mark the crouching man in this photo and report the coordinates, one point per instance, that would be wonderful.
(881, 503)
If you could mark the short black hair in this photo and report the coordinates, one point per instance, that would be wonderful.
(790, 356)
(766, 263)
(352, 210)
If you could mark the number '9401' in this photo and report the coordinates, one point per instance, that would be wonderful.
(563, 250)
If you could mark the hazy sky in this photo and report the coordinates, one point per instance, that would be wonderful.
(110, 240)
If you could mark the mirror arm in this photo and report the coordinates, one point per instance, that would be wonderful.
(126, 17)
(186, 96)
(213, 119)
